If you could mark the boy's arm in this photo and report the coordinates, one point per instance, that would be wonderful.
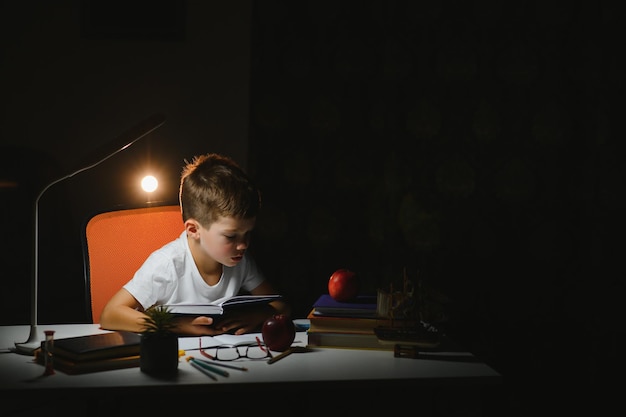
(280, 307)
(123, 312)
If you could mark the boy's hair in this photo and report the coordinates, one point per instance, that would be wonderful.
(213, 186)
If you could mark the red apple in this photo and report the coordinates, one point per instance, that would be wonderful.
(343, 285)
(278, 332)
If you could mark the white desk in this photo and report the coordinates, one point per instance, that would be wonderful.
(321, 370)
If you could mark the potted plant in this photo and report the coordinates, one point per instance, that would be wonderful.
(159, 343)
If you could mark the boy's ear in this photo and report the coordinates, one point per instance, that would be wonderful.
(192, 227)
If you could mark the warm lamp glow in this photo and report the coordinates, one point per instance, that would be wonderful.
(149, 183)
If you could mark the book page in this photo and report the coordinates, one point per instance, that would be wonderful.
(245, 299)
(193, 342)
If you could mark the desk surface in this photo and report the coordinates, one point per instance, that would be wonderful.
(321, 367)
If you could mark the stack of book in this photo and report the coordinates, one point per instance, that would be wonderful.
(92, 353)
(349, 324)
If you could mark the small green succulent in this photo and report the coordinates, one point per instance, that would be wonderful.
(160, 321)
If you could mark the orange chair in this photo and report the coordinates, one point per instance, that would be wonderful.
(117, 243)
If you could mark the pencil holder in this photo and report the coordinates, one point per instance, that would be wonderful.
(159, 355)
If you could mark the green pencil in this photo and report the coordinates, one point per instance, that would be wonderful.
(209, 367)
(204, 371)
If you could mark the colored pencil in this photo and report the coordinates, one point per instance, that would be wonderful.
(208, 367)
(204, 371)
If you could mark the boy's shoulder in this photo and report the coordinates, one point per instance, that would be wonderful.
(175, 249)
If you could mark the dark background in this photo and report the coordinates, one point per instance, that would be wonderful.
(473, 144)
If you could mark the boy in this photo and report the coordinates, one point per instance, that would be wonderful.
(208, 261)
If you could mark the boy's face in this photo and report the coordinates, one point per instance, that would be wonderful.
(227, 239)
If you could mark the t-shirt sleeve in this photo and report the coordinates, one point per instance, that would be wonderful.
(150, 282)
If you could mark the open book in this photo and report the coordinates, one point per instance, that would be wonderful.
(222, 306)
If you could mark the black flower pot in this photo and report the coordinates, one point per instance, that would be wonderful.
(159, 355)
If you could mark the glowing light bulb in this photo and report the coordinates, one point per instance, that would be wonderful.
(149, 183)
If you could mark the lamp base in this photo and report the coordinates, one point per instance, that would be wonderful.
(28, 347)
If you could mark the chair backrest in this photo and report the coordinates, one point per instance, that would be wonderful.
(116, 243)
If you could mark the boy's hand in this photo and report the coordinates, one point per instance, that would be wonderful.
(242, 321)
(196, 326)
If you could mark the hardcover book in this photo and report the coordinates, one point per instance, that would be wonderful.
(222, 306)
(322, 323)
(114, 344)
(347, 340)
(362, 306)
(71, 367)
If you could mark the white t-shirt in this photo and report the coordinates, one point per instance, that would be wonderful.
(170, 276)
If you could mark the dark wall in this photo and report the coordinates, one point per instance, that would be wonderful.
(75, 75)
(472, 143)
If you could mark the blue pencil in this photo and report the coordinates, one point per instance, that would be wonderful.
(204, 371)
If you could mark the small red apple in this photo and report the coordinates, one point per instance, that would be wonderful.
(343, 285)
(278, 332)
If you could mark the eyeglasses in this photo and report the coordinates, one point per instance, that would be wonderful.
(254, 351)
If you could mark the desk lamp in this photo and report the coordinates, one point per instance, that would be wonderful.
(119, 144)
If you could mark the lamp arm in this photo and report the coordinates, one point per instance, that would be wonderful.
(34, 341)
